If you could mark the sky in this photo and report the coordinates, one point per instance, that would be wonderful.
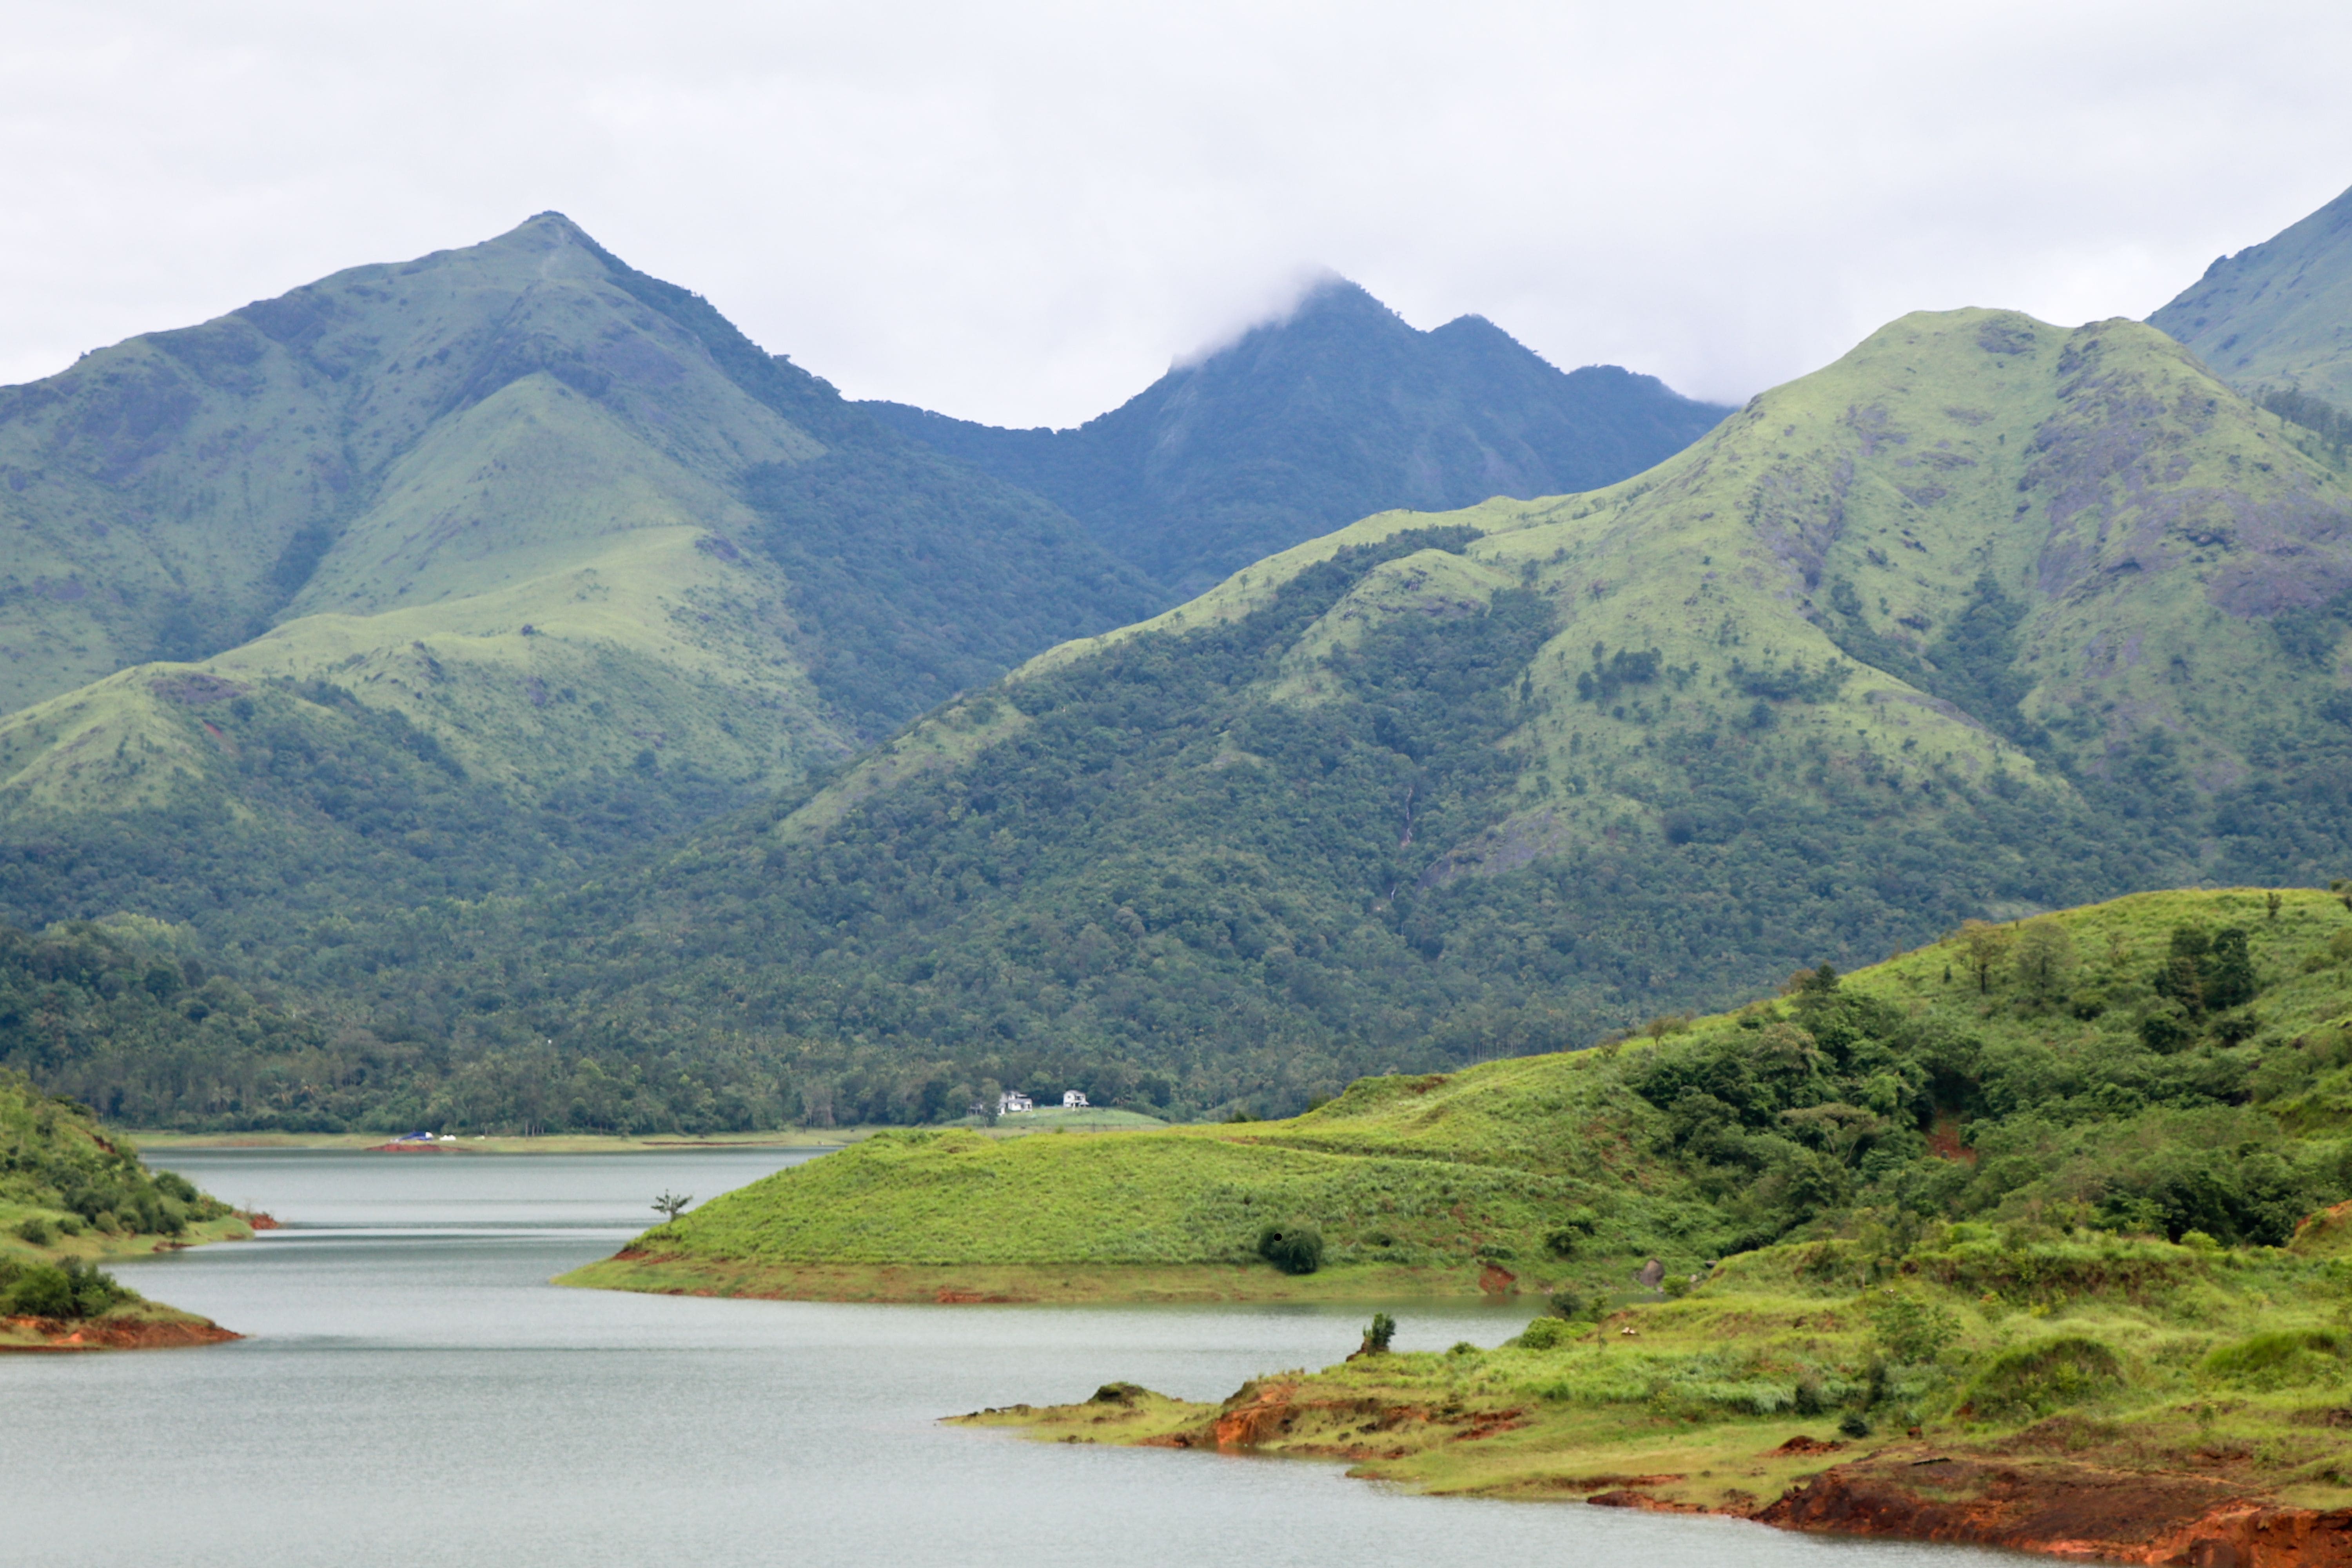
(1024, 213)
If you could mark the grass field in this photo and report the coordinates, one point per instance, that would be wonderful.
(1555, 1171)
(2079, 1351)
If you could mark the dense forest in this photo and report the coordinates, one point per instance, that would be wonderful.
(1108, 902)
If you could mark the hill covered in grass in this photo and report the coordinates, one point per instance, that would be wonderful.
(2163, 1065)
(1988, 617)
(1333, 411)
(2278, 314)
(70, 1194)
(434, 577)
(2023, 1387)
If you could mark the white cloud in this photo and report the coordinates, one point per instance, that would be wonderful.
(1022, 212)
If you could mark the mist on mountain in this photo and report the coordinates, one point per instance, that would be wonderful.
(1334, 410)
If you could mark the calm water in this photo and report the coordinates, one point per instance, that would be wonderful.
(413, 1388)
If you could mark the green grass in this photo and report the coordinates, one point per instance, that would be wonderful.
(1692, 1401)
(1557, 1170)
(72, 1195)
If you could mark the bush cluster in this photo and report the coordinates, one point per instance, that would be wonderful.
(67, 1290)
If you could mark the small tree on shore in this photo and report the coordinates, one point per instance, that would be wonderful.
(670, 1204)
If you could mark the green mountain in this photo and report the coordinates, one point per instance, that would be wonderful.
(429, 577)
(2279, 314)
(1985, 617)
(1331, 413)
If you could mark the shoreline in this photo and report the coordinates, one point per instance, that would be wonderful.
(1028, 1124)
(152, 1142)
(1014, 1284)
(2020, 1495)
(132, 1326)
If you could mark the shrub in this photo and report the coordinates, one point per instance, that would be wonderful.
(68, 1290)
(1378, 1337)
(1910, 1331)
(1294, 1249)
(171, 1183)
(1565, 1303)
(2030, 1381)
(1574, 1229)
(2282, 1359)
(1546, 1334)
(34, 1230)
(1852, 1424)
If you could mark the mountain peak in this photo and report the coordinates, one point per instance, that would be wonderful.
(1328, 303)
(2273, 314)
(1330, 409)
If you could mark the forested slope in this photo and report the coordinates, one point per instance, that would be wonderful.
(1988, 617)
(445, 576)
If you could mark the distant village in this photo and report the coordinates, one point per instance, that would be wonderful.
(1012, 1102)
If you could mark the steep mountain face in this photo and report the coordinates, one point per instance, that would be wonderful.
(1987, 616)
(2277, 315)
(514, 519)
(1334, 411)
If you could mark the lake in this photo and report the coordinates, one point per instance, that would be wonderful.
(413, 1387)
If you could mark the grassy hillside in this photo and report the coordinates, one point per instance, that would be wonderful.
(2277, 315)
(70, 1194)
(1986, 617)
(2034, 1238)
(553, 525)
(2074, 1394)
(2165, 1064)
(1335, 411)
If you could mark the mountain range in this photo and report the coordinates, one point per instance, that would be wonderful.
(1334, 410)
(465, 575)
(1990, 616)
(2277, 315)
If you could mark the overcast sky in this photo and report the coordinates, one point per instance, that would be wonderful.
(1020, 213)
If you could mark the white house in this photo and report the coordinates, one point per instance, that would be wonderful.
(1073, 1101)
(1012, 1102)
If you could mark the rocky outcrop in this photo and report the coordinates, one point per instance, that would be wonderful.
(2177, 1519)
(111, 1333)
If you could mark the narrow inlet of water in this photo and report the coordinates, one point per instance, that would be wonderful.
(413, 1387)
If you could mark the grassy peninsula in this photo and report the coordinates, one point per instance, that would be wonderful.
(71, 1195)
(2035, 1238)
(2161, 1064)
(2014, 1384)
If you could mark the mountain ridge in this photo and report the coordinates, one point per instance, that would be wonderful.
(1987, 616)
(2278, 314)
(1333, 410)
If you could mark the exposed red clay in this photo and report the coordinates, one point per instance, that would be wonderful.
(105, 1334)
(2180, 1520)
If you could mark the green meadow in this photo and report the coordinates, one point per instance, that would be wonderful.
(2163, 1065)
